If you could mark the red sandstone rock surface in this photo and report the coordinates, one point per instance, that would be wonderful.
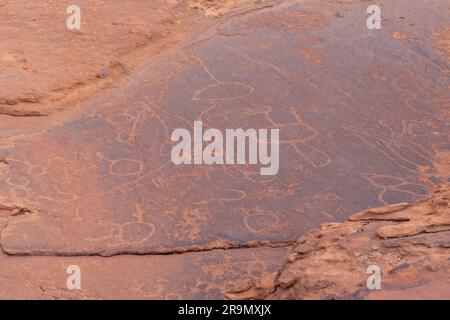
(410, 244)
(85, 170)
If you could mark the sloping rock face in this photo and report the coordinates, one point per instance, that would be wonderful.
(102, 181)
(363, 118)
(410, 244)
(46, 68)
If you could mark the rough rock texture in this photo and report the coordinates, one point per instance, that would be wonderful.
(86, 119)
(101, 181)
(46, 68)
(201, 275)
(410, 243)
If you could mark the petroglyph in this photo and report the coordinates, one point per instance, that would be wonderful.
(410, 243)
(342, 149)
(99, 180)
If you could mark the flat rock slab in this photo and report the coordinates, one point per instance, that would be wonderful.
(363, 116)
(202, 275)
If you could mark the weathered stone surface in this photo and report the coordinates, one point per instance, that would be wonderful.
(363, 118)
(338, 256)
(46, 68)
(103, 183)
(200, 275)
